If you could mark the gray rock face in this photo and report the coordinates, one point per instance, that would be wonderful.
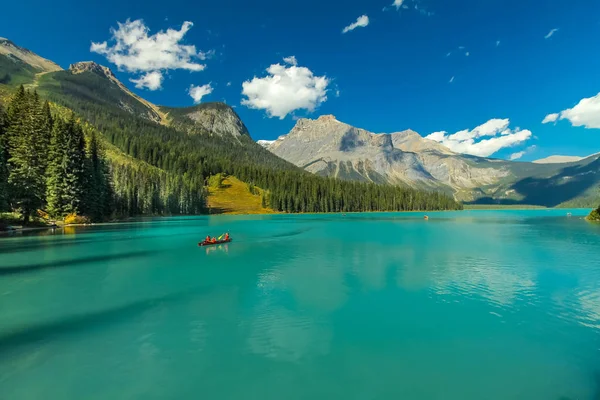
(222, 121)
(90, 66)
(329, 147)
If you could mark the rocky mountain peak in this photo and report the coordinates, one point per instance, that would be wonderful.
(409, 140)
(90, 66)
(8, 48)
(218, 118)
(327, 118)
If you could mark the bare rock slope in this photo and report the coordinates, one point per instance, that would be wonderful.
(329, 147)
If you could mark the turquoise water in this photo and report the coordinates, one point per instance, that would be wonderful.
(468, 305)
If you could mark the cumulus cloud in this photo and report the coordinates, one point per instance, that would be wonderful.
(284, 90)
(133, 49)
(361, 22)
(551, 33)
(151, 80)
(551, 118)
(586, 113)
(198, 92)
(291, 60)
(496, 133)
(517, 155)
(397, 4)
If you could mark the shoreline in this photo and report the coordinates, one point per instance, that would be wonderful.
(20, 228)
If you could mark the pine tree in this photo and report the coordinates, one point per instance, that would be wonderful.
(66, 173)
(56, 193)
(27, 160)
(76, 177)
(3, 162)
(96, 203)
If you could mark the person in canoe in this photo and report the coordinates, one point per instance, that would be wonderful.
(224, 238)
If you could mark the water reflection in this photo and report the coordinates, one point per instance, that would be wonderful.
(219, 248)
(300, 306)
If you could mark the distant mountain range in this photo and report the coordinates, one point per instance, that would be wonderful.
(325, 146)
(329, 147)
(161, 158)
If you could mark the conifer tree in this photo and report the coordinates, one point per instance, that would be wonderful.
(27, 153)
(3, 162)
(97, 206)
(56, 177)
(67, 169)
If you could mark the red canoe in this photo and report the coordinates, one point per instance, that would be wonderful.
(213, 243)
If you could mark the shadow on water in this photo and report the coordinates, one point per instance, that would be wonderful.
(22, 269)
(28, 335)
(595, 391)
(291, 233)
(22, 247)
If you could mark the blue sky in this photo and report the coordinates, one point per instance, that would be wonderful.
(392, 74)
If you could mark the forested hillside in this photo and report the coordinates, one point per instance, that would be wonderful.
(100, 151)
(46, 163)
(202, 155)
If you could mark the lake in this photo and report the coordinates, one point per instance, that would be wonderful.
(467, 305)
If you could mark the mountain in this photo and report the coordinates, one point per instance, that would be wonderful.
(328, 147)
(558, 159)
(216, 118)
(10, 50)
(19, 65)
(160, 158)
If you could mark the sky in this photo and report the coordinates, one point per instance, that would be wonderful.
(512, 79)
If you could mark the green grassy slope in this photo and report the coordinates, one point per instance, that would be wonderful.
(14, 72)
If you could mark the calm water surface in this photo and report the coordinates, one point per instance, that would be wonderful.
(468, 305)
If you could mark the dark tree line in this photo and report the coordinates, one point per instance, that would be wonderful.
(46, 163)
(196, 157)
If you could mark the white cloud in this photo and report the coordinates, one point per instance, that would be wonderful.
(497, 43)
(151, 80)
(517, 155)
(467, 54)
(228, 84)
(134, 50)
(551, 33)
(451, 80)
(198, 92)
(291, 60)
(468, 141)
(586, 113)
(397, 4)
(284, 90)
(551, 118)
(361, 22)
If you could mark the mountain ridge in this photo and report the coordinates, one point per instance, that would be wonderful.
(8, 48)
(329, 147)
(324, 146)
